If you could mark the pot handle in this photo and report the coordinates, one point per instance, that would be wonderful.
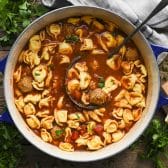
(163, 100)
(4, 117)
(3, 63)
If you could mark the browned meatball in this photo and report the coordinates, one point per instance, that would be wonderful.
(98, 96)
(25, 84)
(57, 132)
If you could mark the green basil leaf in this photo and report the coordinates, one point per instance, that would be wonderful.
(72, 39)
(59, 132)
(101, 85)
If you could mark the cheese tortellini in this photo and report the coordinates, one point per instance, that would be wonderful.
(46, 135)
(39, 73)
(85, 79)
(111, 84)
(33, 121)
(60, 116)
(66, 146)
(54, 30)
(87, 45)
(65, 48)
(94, 143)
(35, 43)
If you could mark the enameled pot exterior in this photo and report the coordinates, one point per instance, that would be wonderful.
(152, 94)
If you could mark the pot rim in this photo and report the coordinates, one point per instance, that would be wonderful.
(64, 157)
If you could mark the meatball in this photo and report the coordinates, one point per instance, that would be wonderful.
(98, 96)
(25, 84)
(56, 132)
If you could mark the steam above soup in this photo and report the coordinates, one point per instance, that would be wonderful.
(119, 84)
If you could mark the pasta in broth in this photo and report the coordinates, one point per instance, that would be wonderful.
(39, 84)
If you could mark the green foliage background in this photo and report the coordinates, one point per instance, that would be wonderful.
(15, 15)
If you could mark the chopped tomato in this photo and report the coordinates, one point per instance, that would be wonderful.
(98, 129)
(75, 135)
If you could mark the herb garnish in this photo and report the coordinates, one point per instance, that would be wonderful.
(77, 115)
(72, 38)
(36, 74)
(59, 132)
(100, 85)
(101, 82)
(15, 16)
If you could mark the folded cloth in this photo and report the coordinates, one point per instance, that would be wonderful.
(156, 30)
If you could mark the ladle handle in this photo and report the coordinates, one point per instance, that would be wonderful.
(156, 10)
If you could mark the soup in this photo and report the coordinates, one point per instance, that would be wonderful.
(117, 84)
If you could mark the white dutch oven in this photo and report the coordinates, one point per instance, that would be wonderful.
(152, 94)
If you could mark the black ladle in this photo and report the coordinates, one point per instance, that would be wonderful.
(156, 10)
(88, 107)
